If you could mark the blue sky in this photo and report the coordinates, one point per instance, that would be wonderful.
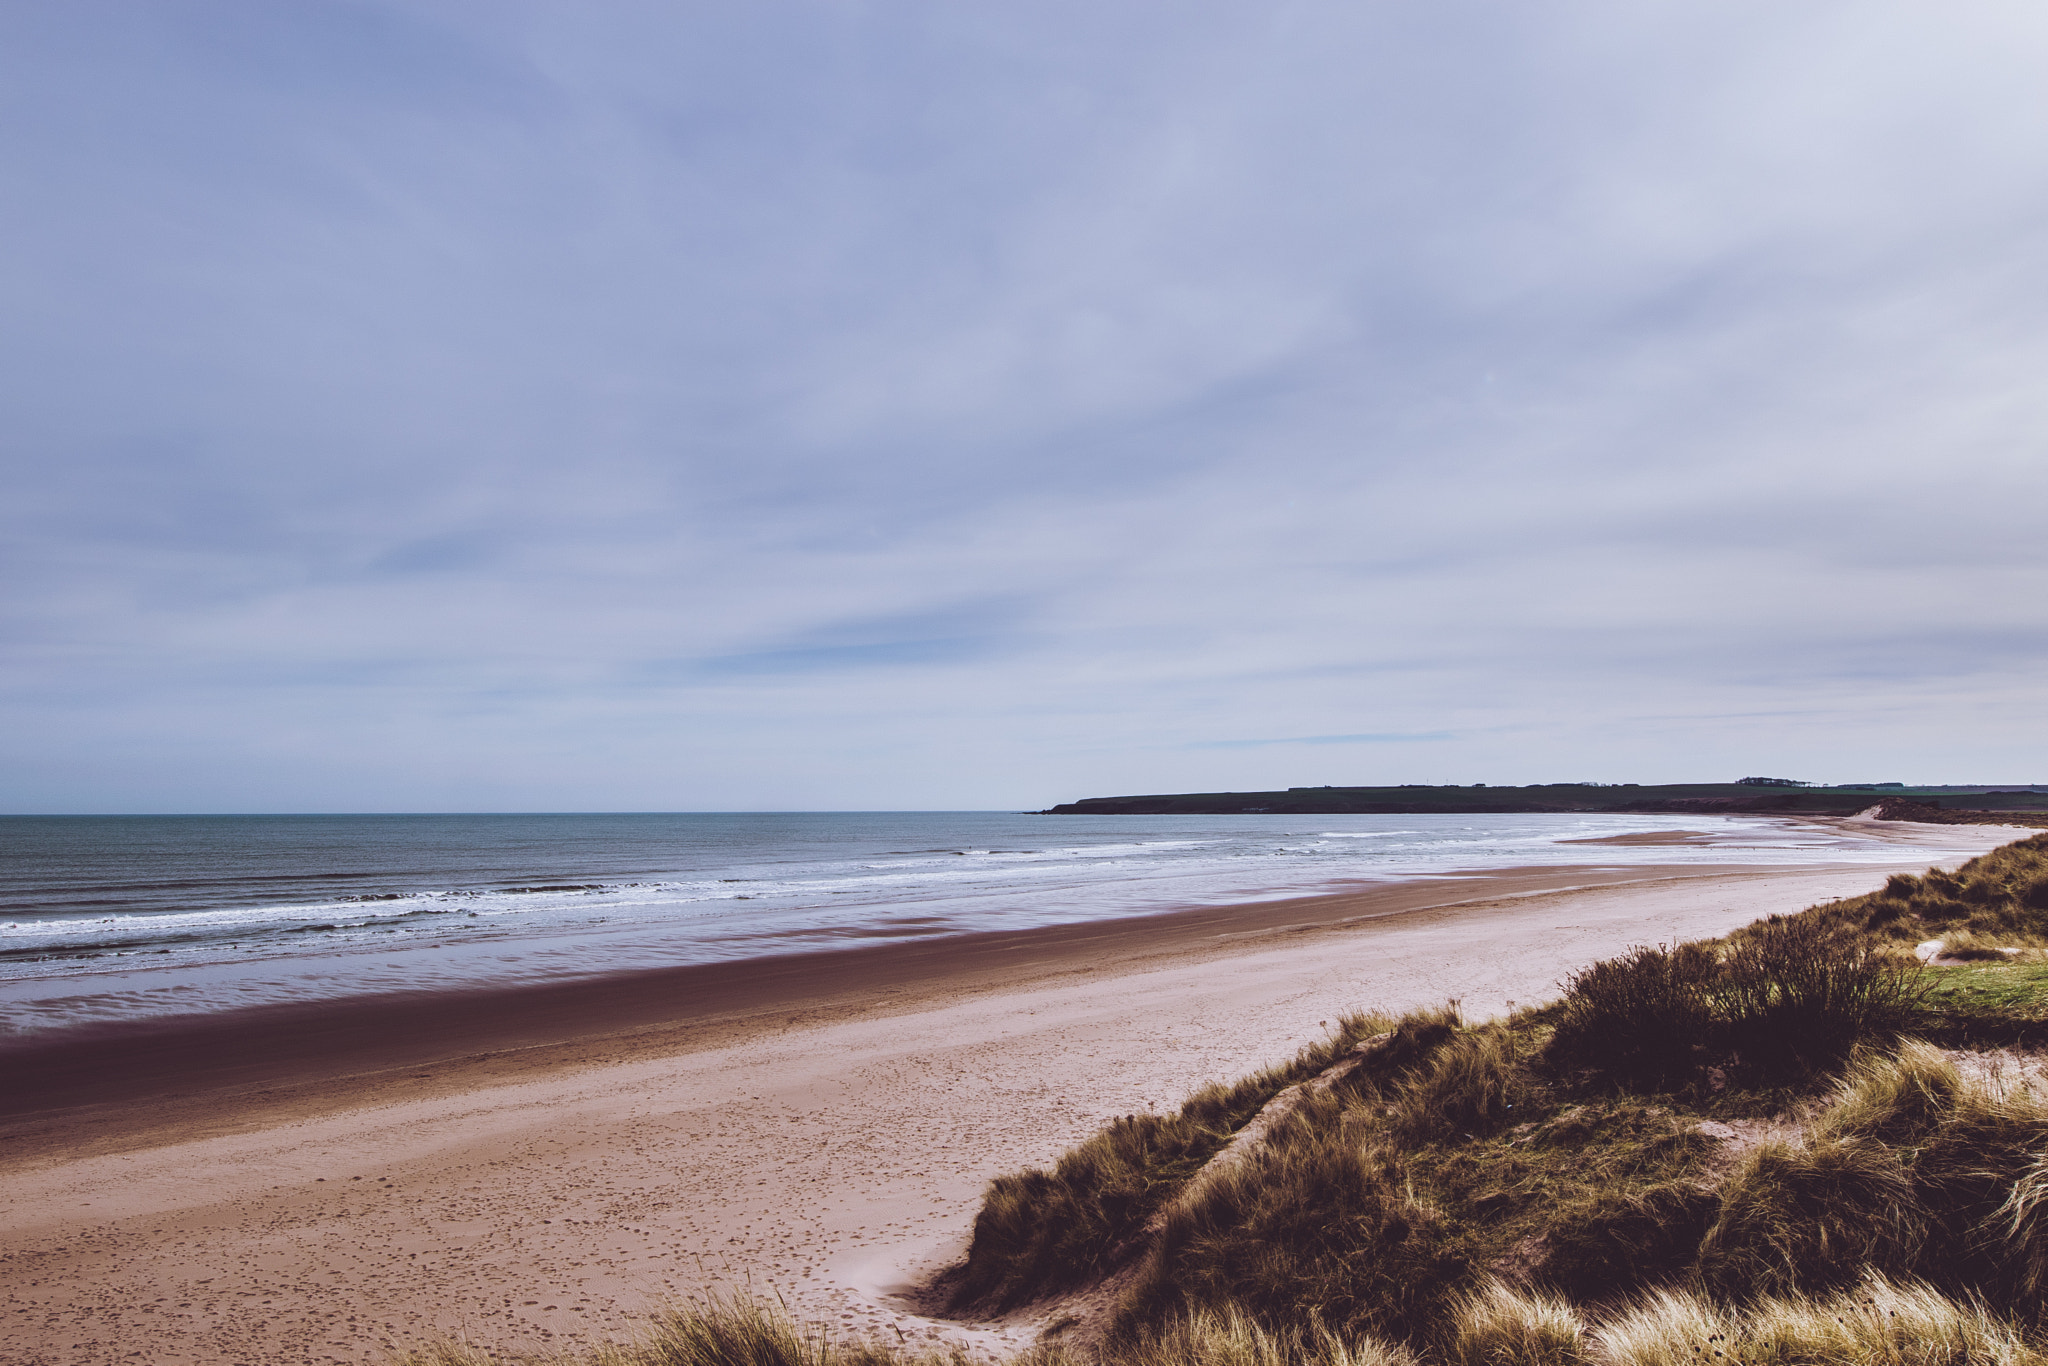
(500, 406)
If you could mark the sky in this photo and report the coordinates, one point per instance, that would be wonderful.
(940, 405)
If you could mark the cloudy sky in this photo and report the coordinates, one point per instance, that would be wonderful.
(944, 404)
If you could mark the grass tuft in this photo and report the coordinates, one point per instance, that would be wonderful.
(1229, 1337)
(450, 1352)
(1498, 1325)
(1898, 1097)
(738, 1330)
(1811, 1217)
(1473, 1084)
(1667, 1328)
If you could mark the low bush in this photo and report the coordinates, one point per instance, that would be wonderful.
(1798, 993)
(1641, 1018)
(1787, 996)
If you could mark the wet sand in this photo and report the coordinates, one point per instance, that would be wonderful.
(533, 1169)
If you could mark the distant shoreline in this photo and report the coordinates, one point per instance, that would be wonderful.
(1893, 802)
(93, 1084)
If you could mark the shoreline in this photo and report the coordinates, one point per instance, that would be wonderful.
(105, 1087)
(545, 1195)
(333, 1053)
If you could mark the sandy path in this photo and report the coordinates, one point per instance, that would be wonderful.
(823, 1162)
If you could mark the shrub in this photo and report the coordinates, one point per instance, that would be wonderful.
(1790, 995)
(1800, 992)
(1640, 1017)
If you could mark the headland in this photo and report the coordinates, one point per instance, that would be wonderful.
(1949, 805)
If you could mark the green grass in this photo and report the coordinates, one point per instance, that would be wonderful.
(2017, 992)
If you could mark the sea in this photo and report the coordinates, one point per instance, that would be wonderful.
(120, 918)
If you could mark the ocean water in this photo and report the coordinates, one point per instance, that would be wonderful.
(121, 917)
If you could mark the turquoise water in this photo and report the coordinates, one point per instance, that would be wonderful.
(109, 918)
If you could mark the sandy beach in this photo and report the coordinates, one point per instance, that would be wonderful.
(534, 1169)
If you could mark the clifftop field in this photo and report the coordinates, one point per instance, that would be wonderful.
(1760, 795)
